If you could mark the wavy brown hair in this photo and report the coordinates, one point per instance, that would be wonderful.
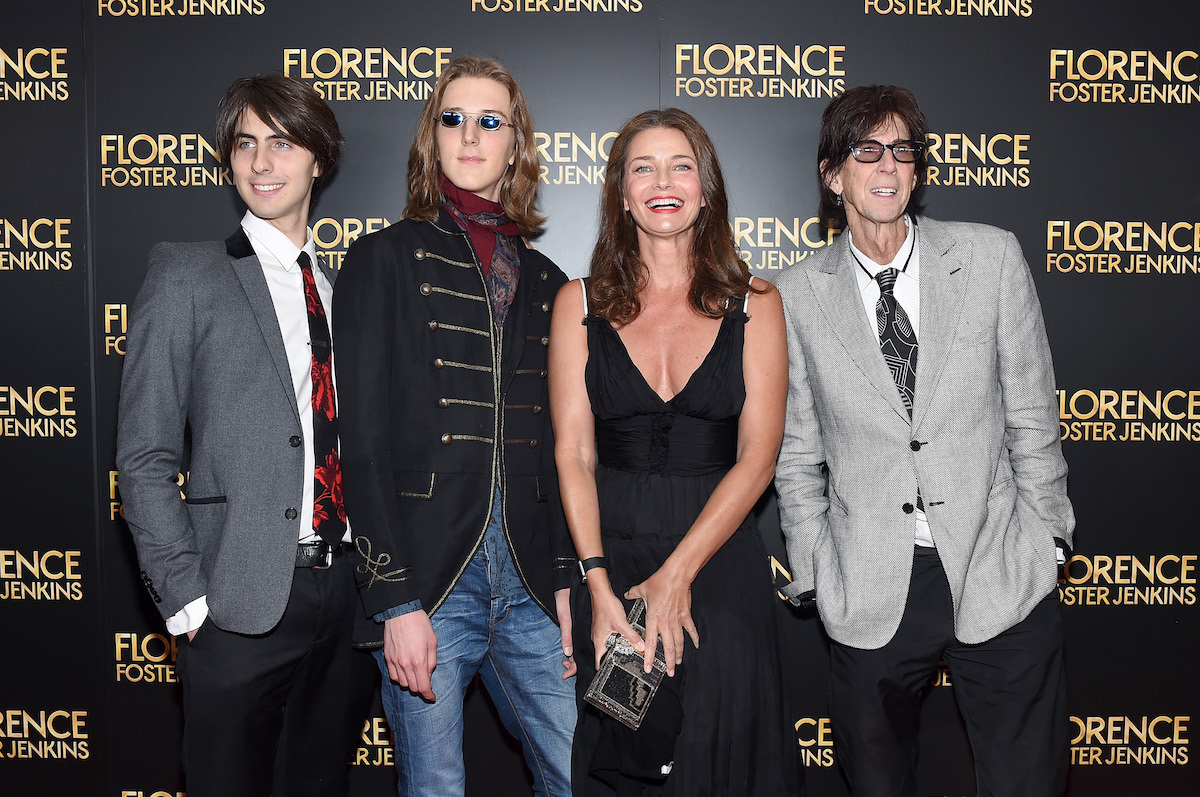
(618, 274)
(518, 189)
(850, 117)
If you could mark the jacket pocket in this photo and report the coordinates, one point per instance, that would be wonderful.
(414, 484)
(215, 499)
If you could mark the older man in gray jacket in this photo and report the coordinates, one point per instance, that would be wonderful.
(922, 486)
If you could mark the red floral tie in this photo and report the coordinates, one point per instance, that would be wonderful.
(329, 513)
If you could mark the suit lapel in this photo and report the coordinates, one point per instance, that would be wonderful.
(330, 273)
(249, 272)
(836, 289)
(943, 280)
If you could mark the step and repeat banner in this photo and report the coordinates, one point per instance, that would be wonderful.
(1071, 124)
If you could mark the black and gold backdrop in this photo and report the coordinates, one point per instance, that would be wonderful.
(1072, 124)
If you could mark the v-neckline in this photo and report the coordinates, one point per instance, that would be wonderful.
(691, 376)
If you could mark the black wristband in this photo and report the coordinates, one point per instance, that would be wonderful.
(591, 563)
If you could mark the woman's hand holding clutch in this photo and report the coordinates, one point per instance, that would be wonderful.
(608, 615)
(668, 596)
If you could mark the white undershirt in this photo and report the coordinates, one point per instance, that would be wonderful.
(908, 295)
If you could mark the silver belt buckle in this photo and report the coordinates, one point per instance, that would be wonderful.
(328, 558)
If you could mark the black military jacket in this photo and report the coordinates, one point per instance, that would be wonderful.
(436, 408)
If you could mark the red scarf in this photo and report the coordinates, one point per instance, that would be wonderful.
(483, 238)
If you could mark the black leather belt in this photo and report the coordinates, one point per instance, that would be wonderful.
(320, 555)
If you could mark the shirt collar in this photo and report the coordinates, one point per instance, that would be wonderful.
(910, 243)
(265, 236)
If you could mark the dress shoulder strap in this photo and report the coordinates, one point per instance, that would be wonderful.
(746, 301)
(583, 285)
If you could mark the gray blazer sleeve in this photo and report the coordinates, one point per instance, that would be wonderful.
(155, 386)
(799, 474)
(1026, 375)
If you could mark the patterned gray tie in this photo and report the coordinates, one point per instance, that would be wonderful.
(897, 340)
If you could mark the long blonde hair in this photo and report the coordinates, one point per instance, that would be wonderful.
(518, 188)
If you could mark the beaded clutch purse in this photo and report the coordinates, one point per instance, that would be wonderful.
(622, 688)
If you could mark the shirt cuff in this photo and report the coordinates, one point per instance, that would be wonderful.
(189, 618)
(397, 611)
(1062, 551)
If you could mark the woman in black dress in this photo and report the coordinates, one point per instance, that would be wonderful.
(668, 405)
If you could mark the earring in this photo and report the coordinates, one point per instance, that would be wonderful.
(839, 200)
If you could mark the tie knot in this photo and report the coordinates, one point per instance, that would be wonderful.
(887, 279)
(303, 261)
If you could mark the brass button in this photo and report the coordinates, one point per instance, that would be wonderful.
(419, 254)
(443, 403)
(433, 326)
(294, 441)
(447, 439)
(426, 288)
(545, 341)
(533, 443)
(545, 275)
(545, 307)
(291, 514)
(537, 409)
(542, 374)
(439, 362)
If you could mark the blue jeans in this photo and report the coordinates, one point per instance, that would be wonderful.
(488, 625)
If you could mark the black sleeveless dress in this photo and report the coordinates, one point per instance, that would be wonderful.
(658, 463)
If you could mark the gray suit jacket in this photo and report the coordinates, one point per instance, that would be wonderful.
(982, 443)
(205, 362)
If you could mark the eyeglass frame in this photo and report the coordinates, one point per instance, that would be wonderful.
(918, 148)
(463, 117)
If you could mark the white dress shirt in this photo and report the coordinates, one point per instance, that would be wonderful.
(277, 255)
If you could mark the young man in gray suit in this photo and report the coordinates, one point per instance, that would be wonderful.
(228, 379)
(921, 482)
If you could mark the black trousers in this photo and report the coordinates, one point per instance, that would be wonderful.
(1010, 690)
(278, 713)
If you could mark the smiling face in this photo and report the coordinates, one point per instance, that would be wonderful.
(274, 176)
(876, 193)
(472, 158)
(661, 186)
